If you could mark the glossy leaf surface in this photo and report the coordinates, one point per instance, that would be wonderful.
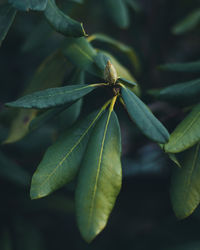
(7, 15)
(144, 119)
(52, 97)
(99, 179)
(186, 134)
(61, 22)
(185, 187)
(27, 5)
(62, 160)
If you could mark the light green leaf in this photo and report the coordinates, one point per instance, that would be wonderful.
(100, 177)
(80, 52)
(185, 93)
(27, 5)
(186, 134)
(53, 97)
(50, 73)
(185, 186)
(7, 15)
(62, 160)
(144, 119)
(125, 49)
(118, 11)
(181, 67)
(61, 22)
(188, 23)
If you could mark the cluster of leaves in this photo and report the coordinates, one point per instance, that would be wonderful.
(185, 139)
(89, 149)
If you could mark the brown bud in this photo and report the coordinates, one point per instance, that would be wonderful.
(110, 73)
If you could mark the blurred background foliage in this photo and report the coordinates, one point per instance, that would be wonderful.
(143, 217)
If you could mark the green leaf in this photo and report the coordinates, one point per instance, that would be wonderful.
(188, 23)
(27, 5)
(53, 97)
(46, 116)
(181, 67)
(7, 15)
(61, 22)
(121, 47)
(185, 93)
(67, 114)
(80, 52)
(144, 119)
(127, 82)
(50, 73)
(62, 160)
(118, 11)
(186, 134)
(185, 185)
(100, 177)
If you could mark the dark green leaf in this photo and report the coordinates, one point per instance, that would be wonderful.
(46, 116)
(127, 82)
(186, 134)
(185, 187)
(61, 161)
(7, 15)
(67, 114)
(118, 11)
(61, 22)
(100, 177)
(182, 67)
(188, 23)
(144, 119)
(82, 55)
(50, 73)
(25, 5)
(185, 93)
(53, 97)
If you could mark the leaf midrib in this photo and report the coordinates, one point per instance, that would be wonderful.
(72, 149)
(98, 171)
